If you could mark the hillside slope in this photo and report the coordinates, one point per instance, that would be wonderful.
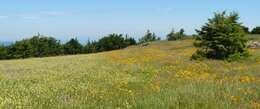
(160, 75)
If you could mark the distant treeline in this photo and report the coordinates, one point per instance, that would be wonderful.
(42, 46)
(255, 30)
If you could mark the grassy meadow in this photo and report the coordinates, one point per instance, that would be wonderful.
(158, 76)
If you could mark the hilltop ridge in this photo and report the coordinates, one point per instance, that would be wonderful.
(158, 75)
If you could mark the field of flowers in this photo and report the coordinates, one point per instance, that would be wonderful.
(158, 76)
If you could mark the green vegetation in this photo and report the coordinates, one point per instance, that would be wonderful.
(221, 38)
(256, 30)
(3, 52)
(160, 75)
(149, 37)
(37, 46)
(42, 46)
(246, 29)
(72, 47)
(176, 36)
(114, 42)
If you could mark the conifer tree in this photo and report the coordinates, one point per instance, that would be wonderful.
(149, 37)
(256, 30)
(221, 38)
(73, 47)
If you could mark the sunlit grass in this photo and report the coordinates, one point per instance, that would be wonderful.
(158, 76)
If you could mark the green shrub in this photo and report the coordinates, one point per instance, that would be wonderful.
(90, 47)
(149, 37)
(176, 35)
(221, 38)
(129, 40)
(3, 52)
(111, 42)
(237, 56)
(246, 29)
(199, 55)
(73, 47)
(256, 30)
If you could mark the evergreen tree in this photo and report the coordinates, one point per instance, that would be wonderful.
(111, 42)
(44, 46)
(3, 52)
(246, 29)
(171, 35)
(73, 47)
(90, 47)
(41, 46)
(129, 41)
(21, 49)
(182, 32)
(149, 37)
(221, 38)
(256, 30)
(176, 35)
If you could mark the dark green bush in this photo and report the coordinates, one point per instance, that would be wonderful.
(221, 38)
(149, 37)
(256, 30)
(176, 35)
(42, 46)
(73, 47)
(246, 29)
(111, 42)
(199, 55)
(3, 52)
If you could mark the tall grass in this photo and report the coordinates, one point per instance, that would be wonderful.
(158, 76)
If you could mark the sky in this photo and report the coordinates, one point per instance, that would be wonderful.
(93, 19)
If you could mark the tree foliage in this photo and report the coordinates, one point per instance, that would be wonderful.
(176, 35)
(90, 47)
(221, 38)
(113, 42)
(37, 46)
(129, 40)
(256, 30)
(3, 52)
(149, 37)
(246, 29)
(42, 46)
(73, 47)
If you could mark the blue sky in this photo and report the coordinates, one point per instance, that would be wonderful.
(92, 19)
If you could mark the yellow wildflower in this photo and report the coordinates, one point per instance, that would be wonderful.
(156, 87)
(236, 98)
(247, 79)
(255, 104)
(258, 60)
